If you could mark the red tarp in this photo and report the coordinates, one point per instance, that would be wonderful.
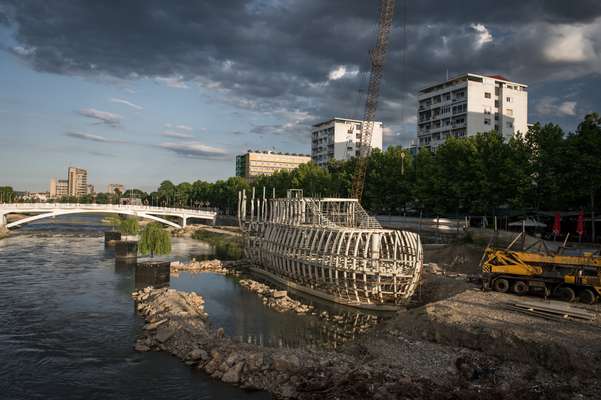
(580, 223)
(557, 224)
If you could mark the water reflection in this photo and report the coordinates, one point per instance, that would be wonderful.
(244, 317)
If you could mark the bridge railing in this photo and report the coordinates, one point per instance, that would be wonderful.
(50, 206)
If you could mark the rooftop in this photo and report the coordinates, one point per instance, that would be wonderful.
(458, 77)
(340, 119)
(276, 153)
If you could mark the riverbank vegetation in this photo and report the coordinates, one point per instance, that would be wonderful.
(227, 247)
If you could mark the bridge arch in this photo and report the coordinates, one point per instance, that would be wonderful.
(57, 213)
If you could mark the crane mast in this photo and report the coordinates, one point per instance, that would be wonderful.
(377, 56)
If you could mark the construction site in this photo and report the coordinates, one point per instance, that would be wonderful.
(501, 316)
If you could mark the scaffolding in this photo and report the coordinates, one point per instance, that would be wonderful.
(330, 248)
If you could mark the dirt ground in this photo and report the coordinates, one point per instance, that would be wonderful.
(458, 337)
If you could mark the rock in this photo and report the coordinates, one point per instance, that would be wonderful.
(212, 366)
(232, 359)
(141, 347)
(279, 294)
(433, 268)
(196, 354)
(154, 325)
(254, 361)
(233, 374)
(220, 333)
(285, 362)
(164, 333)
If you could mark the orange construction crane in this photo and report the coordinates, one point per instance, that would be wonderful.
(377, 56)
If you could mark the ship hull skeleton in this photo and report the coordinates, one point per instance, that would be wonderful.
(330, 248)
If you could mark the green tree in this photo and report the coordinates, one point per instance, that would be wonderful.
(154, 240)
(166, 193)
(129, 226)
(585, 175)
(427, 181)
(546, 146)
(6, 194)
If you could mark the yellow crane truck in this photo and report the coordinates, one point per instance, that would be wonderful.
(559, 273)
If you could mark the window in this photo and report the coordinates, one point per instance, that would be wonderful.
(496, 103)
(509, 111)
(487, 111)
(509, 124)
(508, 99)
(487, 95)
(486, 121)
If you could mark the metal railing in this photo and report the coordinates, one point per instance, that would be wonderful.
(116, 207)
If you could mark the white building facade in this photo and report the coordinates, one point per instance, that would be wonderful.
(469, 104)
(339, 138)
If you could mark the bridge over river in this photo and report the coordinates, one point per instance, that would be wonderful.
(46, 210)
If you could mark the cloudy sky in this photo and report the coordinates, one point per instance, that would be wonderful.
(144, 90)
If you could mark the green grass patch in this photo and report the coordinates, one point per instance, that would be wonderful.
(227, 247)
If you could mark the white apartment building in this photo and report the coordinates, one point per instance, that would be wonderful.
(338, 138)
(252, 164)
(469, 104)
(111, 187)
(59, 187)
(78, 181)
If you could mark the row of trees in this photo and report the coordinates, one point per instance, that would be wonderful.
(544, 169)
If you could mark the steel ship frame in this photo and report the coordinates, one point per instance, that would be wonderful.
(330, 248)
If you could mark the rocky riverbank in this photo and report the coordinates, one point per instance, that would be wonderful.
(276, 299)
(215, 266)
(386, 364)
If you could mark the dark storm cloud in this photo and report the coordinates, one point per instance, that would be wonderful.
(306, 56)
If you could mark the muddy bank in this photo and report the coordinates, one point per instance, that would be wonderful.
(386, 364)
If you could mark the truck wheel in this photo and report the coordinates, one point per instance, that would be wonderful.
(520, 288)
(566, 294)
(587, 296)
(501, 285)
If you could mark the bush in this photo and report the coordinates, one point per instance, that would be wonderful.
(226, 247)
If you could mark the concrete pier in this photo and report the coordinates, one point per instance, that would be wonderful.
(126, 249)
(111, 238)
(152, 273)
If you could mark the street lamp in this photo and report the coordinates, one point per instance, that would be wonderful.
(402, 162)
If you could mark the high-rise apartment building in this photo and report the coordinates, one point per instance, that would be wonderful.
(115, 186)
(256, 163)
(78, 181)
(469, 104)
(338, 139)
(59, 187)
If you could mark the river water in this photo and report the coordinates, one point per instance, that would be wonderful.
(68, 324)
